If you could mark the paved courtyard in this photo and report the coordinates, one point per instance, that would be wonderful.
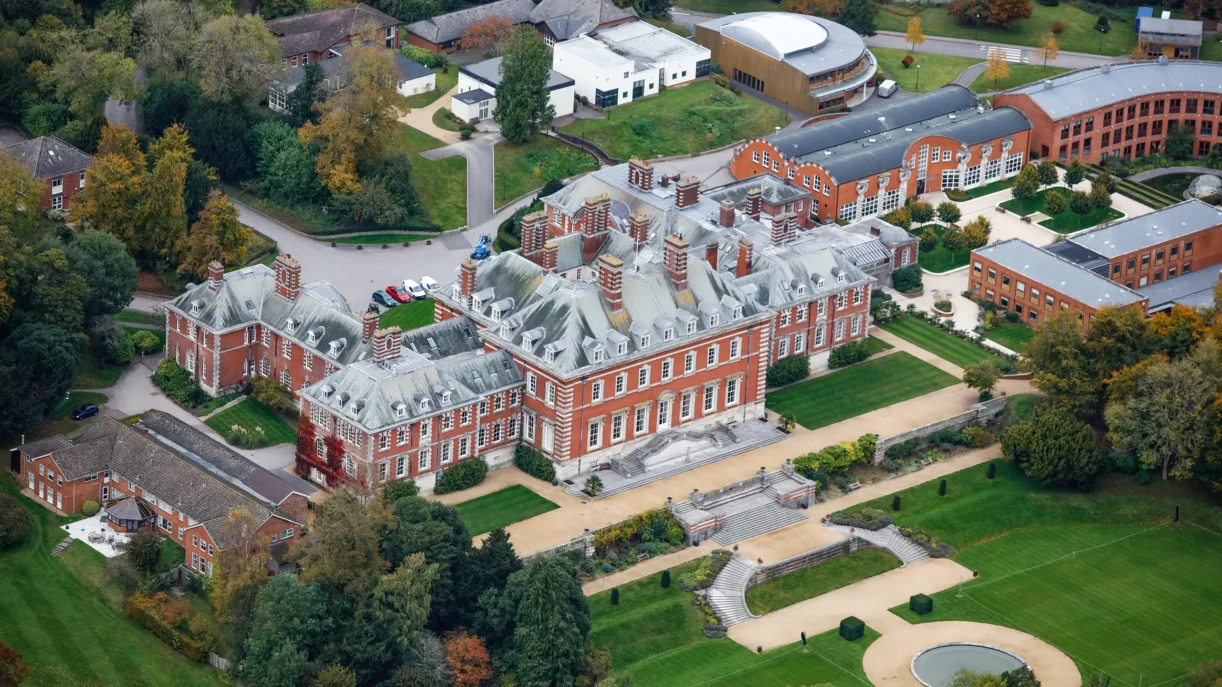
(97, 535)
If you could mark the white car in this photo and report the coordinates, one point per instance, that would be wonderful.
(429, 284)
(414, 289)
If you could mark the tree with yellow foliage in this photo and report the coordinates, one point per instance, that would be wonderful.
(359, 122)
(997, 68)
(1049, 48)
(915, 35)
(216, 235)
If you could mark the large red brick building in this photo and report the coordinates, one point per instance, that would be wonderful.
(1120, 110)
(61, 167)
(868, 163)
(165, 477)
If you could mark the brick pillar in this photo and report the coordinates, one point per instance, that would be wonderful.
(640, 173)
(675, 259)
(638, 229)
(597, 212)
(726, 216)
(530, 247)
(466, 280)
(780, 228)
(745, 250)
(755, 203)
(216, 275)
(387, 344)
(687, 192)
(288, 277)
(791, 225)
(611, 279)
(369, 324)
(710, 254)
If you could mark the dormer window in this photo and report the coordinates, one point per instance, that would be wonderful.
(337, 346)
(315, 335)
(290, 324)
(621, 348)
(445, 396)
(197, 306)
(820, 284)
(598, 355)
(714, 319)
(840, 278)
(425, 405)
(668, 334)
(645, 340)
(691, 326)
(738, 312)
(801, 289)
(476, 305)
(549, 354)
(496, 313)
(504, 331)
(400, 409)
(325, 391)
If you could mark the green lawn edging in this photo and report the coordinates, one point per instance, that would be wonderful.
(817, 580)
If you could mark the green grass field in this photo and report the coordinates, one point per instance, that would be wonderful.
(655, 637)
(94, 373)
(877, 345)
(501, 508)
(679, 121)
(1013, 336)
(859, 389)
(1079, 34)
(994, 187)
(939, 259)
(53, 612)
(1024, 405)
(936, 70)
(367, 239)
(1069, 221)
(444, 82)
(1020, 75)
(408, 315)
(521, 169)
(810, 582)
(442, 184)
(1034, 204)
(250, 414)
(137, 317)
(941, 343)
(674, 28)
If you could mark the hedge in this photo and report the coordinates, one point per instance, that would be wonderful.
(90, 508)
(788, 370)
(423, 57)
(14, 521)
(907, 279)
(849, 353)
(920, 604)
(465, 475)
(147, 613)
(851, 628)
(534, 463)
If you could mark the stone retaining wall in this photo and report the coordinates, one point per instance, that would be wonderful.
(811, 558)
(583, 543)
(979, 414)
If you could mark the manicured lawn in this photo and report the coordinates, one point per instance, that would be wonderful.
(1068, 222)
(1035, 203)
(941, 343)
(859, 389)
(1025, 404)
(814, 581)
(443, 121)
(876, 345)
(217, 403)
(408, 315)
(384, 238)
(501, 508)
(1079, 34)
(980, 191)
(250, 414)
(65, 629)
(939, 259)
(671, 26)
(655, 636)
(678, 121)
(1013, 336)
(521, 169)
(444, 83)
(1020, 74)
(137, 317)
(936, 70)
(442, 184)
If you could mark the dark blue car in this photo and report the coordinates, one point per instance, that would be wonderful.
(382, 298)
(87, 410)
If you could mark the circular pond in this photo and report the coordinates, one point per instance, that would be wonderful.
(936, 666)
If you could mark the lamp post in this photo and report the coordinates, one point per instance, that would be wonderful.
(977, 26)
(918, 83)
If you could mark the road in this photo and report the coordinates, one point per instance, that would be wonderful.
(481, 173)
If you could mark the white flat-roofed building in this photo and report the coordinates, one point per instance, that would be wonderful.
(477, 84)
(622, 63)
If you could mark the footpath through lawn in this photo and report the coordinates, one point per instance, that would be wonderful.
(65, 629)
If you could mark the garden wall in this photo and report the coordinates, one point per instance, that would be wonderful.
(979, 414)
(823, 554)
(583, 543)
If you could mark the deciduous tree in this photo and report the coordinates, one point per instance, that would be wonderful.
(143, 551)
(166, 31)
(1056, 448)
(1056, 357)
(487, 35)
(1100, 199)
(109, 270)
(948, 212)
(997, 68)
(1080, 204)
(820, 8)
(523, 105)
(335, 675)
(954, 240)
(1075, 172)
(20, 192)
(85, 79)
(342, 552)
(38, 363)
(976, 232)
(998, 13)
(165, 210)
(388, 620)
(982, 376)
(235, 58)
(859, 16)
(57, 293)
(470, 665)
(217, 235)
(915, 35)
(240, 571)
(1026, 184)
(1180, 141)
(1049, 48)
(289, 623)
(1047, 173)
(1178, 330)
(1054, 203)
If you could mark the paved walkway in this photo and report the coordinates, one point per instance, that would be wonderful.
(966, 47)
(421, 118)
(1163, 171)
(481, 173)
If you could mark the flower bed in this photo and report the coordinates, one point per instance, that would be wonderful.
(932, 546)
(622, 545)
(703, 576)
(713, 629)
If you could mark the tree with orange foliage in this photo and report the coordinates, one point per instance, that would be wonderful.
(997, 67)
(12, 670)
(1178, 330)
(819, 8)
(995, 13)
(470, 665)
(489, 34)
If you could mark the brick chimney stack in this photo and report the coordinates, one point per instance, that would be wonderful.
(640, 174)
(387, 344)
(726, 217)
(216, 275)
(611, 279)
(288, 277)
(687, 192)
(755, 203)
(466, 280)
(369, 323)
(780, 228)
(667, 178)
(675, 259)
(530, 245)
(745, 250)
(594, 224)
(791, 225)
(638, 229)
(548, 257)
(710, 254)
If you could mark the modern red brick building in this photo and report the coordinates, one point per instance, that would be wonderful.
(61, 167)
(310, 37)
(179, 483)
(1120, 110)
(866, 164)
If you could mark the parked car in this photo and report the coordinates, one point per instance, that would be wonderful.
(430, 284)
(887, 88)
(398, 293)
(414, 289)
(87, 410)
(384, 299)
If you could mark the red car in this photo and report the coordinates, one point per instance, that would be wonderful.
(397, 293)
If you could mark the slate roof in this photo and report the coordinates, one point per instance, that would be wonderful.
(570, 18)
(1135, 233)
(1195, 289)
(317, 31)
(42, 447)
(222, 461)
(173, 479)
(451, 337)
(811, 45)
(336, 65)
(450, 27)
(247, 296)
(489, 72)
(773, 190)
(866, 143)
(48, 156)
(1058, 273)
(1088, 89)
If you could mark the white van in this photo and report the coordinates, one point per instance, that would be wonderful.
(886, 88)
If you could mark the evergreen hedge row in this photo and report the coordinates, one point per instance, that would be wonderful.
(788, 370)
(534, 463)
(465, 475)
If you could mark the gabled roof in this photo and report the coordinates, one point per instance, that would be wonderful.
(1058, 273)
(48, 156)
(569, 18)
(1084, 90)
(450, 27)
(317, 31)
(336, 66)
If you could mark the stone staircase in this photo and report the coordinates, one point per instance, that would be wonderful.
(633, 463)
(59, 548)
(747, 524)
(728, 594)
(888, 538)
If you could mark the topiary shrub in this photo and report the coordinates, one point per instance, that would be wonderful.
(465, 475)
(992, 471)
(788, 370)
(849, 353)
(942, 488)
(14, 521)
(665, 579)
(615, 596)
(920, 604)
(895, 503)
(907, 279)
(978, 437)
(851, 628)
(534, 463)
(90, 508)
(145, 342)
